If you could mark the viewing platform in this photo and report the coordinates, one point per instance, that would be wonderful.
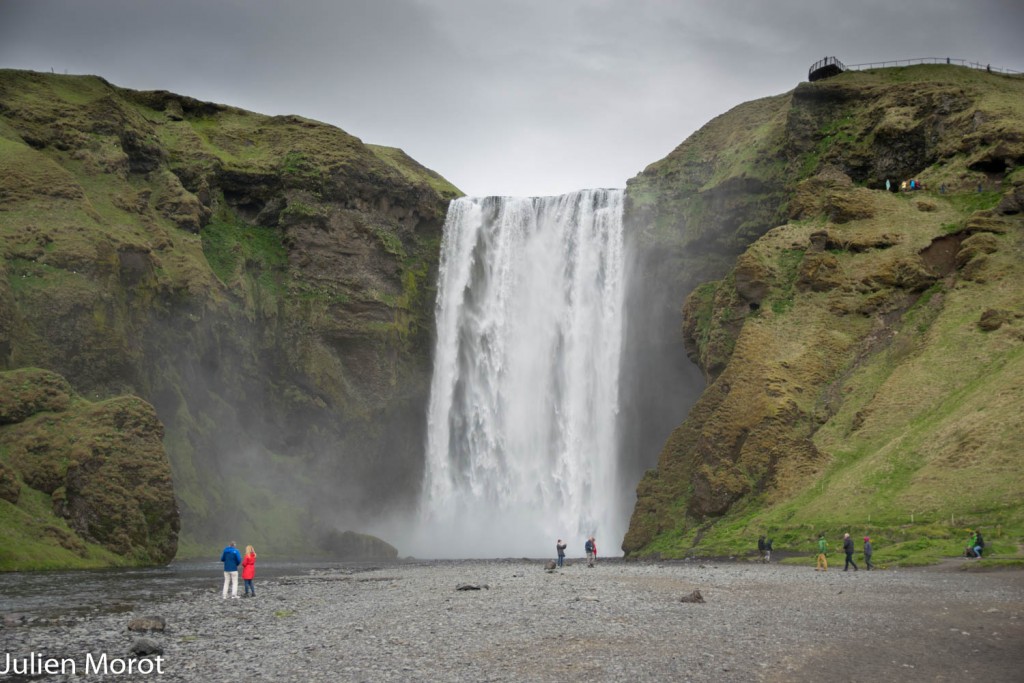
(825, 68)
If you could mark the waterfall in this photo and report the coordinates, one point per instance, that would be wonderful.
(521, 433)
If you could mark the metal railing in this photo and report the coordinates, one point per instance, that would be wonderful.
(823, 68)
(932, 60)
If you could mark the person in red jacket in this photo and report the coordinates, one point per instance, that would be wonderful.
(249, 570)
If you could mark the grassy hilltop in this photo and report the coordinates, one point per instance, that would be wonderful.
(863, 350)
(264, 282)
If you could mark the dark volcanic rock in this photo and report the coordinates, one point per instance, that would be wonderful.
(348, 545)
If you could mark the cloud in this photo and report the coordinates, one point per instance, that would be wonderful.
(523, 97)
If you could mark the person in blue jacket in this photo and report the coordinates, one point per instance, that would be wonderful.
(231, 559)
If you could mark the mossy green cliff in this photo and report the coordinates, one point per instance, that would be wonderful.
(82, 483)
(264, 282)
(863, 350)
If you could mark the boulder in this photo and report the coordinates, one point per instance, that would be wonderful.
(150, 623)
(144, 647)
(695, 596)
(348, 545)
(992, 319)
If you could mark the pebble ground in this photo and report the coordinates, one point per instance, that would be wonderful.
(617, 621)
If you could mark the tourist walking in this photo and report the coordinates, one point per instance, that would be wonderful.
(591, 549)
(760, 547)
(848, 549)
(249, 570)
(231, 559)
(768, 551)
(822, 551)
(867, 553)
(560, 549)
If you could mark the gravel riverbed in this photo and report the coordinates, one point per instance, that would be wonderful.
(617, 621)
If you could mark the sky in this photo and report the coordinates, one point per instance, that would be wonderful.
(519, 97)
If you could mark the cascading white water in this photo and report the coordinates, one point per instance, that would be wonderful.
(521, 446)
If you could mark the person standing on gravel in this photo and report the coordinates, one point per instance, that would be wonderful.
(822, 551)
(867, 553)
(231, 559)
(249, 570)
(591, 549)
(560, 549)
(848, 549)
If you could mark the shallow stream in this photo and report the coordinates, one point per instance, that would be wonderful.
(60, 594)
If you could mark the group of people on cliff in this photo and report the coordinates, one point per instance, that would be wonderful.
(232, 560)
(590, 548)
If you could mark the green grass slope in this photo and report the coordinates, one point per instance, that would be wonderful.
(865, 359)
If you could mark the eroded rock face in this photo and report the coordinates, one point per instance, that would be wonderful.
(102, 464)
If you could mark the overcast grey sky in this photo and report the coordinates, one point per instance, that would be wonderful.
(520, 97)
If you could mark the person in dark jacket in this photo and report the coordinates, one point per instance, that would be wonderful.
(590, 547)
(760, 547)
(231, 559)
(977, 543)
(867, 553)
(560, 549)
(767, 550)
(848, 549)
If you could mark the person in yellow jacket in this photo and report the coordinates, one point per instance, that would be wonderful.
(822, 551)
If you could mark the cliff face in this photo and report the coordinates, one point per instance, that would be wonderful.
(264, 282)
(863, 357)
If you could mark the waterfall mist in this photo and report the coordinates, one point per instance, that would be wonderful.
(522, 444)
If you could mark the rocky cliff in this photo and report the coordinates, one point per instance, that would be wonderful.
(83, 483)
(264, 282)
(863, 350)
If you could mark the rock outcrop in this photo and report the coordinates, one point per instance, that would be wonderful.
(99, 468)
